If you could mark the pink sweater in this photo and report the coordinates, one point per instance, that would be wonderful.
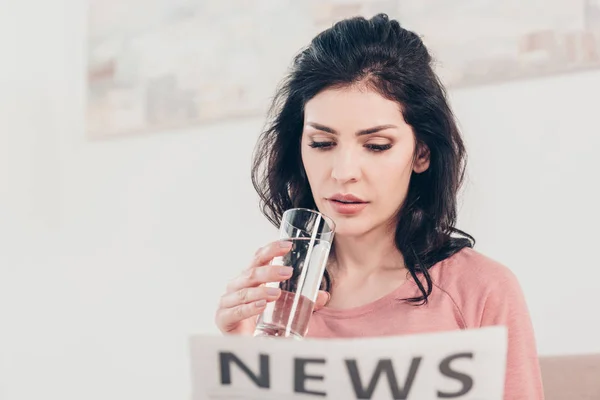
(470, 291)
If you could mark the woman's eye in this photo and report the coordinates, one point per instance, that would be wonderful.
(321, 145)
(325, 145)
(378, 147)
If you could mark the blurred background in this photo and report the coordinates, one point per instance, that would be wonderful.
(126, 134)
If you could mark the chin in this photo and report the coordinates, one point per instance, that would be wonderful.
(348, 227)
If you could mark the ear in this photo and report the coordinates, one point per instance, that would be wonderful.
(422, 159)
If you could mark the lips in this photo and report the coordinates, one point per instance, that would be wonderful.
(347, 204)
(346, 198)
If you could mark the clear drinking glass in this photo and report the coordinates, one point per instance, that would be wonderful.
(311, 234)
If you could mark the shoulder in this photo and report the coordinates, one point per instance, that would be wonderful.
(473, 270)
(486, 293)
(476, 284)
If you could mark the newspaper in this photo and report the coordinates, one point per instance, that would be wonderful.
(465, 365)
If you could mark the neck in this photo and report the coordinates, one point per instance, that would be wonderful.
(367, 254)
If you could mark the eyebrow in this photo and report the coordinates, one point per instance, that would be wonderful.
(361, 132)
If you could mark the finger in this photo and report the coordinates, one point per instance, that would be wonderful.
(229, 318)
(274, 249)
(322, 299)
(257, 276)
(249, 295)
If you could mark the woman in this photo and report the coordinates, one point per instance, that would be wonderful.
(363, 132)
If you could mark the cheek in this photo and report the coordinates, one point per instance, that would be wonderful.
(312, 164)
(392, 176)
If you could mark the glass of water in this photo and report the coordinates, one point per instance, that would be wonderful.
(311, 234)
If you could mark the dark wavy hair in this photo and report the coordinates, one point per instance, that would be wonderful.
(385, 57)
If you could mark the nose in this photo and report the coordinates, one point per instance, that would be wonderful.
(346, 166)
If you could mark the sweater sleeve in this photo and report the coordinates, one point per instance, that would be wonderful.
(505, 305)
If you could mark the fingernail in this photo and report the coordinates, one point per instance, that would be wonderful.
(285, 244)
(260, 303)
(286, 271)
(272, 291)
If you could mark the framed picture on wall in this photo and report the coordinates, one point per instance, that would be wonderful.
(168, 64)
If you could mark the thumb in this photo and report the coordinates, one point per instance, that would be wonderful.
(322, 299)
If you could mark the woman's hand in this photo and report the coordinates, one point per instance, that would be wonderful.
(246, 295)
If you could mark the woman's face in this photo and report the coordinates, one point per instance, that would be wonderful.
(358, 153)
